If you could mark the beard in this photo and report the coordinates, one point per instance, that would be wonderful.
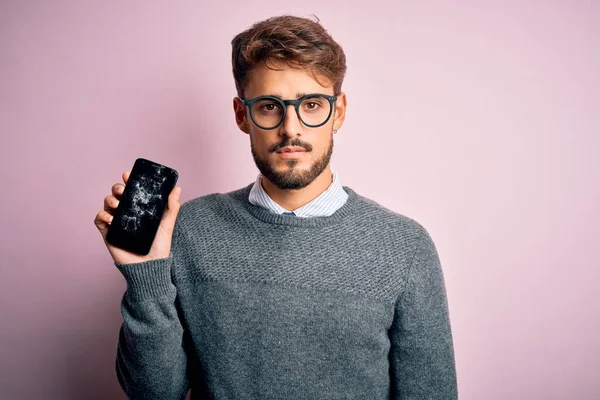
(292, 178)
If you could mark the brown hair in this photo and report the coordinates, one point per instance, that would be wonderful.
(297, 42)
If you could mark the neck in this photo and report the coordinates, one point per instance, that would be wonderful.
(293, 199)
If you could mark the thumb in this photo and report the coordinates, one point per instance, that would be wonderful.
(172, 210)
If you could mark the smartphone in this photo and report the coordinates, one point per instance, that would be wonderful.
(142, 205)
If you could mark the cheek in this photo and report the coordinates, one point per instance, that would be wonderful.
(260, 142)
(322, 142)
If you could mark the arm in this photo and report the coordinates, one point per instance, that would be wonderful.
(151, 360)
(422, 351)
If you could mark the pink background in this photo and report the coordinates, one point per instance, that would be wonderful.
(479, 120)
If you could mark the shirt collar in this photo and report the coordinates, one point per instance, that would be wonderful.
(325, 204)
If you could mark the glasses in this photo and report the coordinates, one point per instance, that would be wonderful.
(268, 112)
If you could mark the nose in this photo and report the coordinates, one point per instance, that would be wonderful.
(291, 125)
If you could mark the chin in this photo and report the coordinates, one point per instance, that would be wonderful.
(294, 173)
(283, 164)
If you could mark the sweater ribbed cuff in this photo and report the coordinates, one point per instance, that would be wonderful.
(149, 278)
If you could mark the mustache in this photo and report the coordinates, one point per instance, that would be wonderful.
(287, 142)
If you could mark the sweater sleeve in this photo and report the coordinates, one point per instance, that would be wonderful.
(151, 360)
(422, 351)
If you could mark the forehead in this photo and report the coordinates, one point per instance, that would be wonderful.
(284, 82)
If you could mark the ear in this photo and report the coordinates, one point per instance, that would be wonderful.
(241, 119)
(340, 111)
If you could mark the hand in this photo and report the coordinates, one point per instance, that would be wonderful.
(161, 247)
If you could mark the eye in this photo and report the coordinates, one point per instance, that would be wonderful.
(312, 105)
(269, 106)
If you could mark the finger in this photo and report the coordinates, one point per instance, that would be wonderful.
(103, 221)
(126, 176)
(110, 203)
(117, 190)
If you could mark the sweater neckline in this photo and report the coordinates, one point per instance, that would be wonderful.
(271, 218)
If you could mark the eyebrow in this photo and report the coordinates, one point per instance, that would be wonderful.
(278, 95)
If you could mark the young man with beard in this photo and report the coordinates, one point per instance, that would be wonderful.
(293, 287)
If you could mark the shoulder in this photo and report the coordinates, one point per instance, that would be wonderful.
(211, 205)
(377, 215)
(381, 214)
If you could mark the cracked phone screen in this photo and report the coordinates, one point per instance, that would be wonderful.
(146, 198)
(142, 206)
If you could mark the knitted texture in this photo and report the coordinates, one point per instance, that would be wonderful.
(256, 305)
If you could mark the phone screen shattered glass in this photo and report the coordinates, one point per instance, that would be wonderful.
(145, 199)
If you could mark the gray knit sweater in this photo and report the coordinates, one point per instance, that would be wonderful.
(256, 305)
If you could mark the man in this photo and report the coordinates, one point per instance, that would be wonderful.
(293, 287)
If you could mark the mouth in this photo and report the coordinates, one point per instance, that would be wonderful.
(291, 149)
(291, 152)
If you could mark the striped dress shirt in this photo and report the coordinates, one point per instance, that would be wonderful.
(324, 205)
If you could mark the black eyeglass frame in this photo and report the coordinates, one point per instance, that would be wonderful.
(296, 103)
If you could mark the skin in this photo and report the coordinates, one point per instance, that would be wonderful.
(294, 181)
